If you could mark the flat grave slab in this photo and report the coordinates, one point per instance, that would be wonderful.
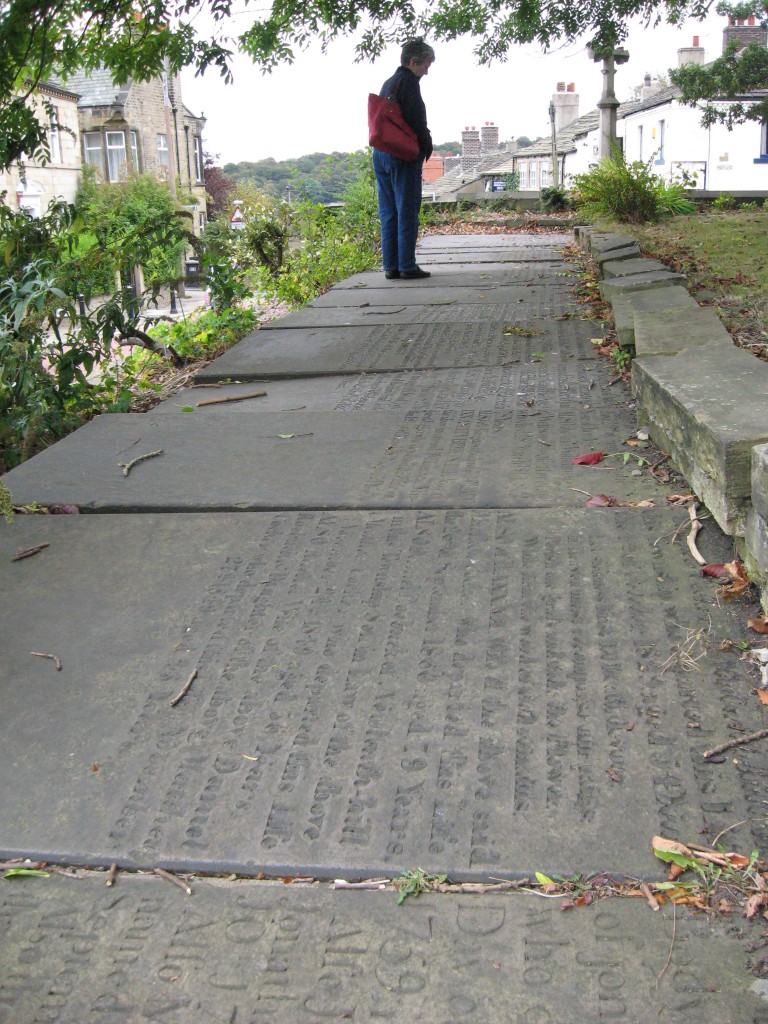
(581, 382)
(277, 351)
(459, 458)
(264, 953)
(467, 274)
(540, 304)
(514, 241)
(491, 293)
(374, 691)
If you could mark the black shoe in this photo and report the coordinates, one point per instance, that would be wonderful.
(411, 275)
(391, 275)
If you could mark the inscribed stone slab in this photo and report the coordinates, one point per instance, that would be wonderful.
(374, 691)
(534, 304)
(582, 382)
(291, 352)
(441, 294)
(459, 273)
(260, 953)
(218, 461)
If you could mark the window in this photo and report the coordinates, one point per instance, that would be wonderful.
(116, 158)
(523, 175)
(198, 144)
(54, 140)
(94, 154)
(544, 175)
(532, 176)
(162, 150)
(135, 151)
(660, 155)
(202, 222)
(764, 140)
(639, 142)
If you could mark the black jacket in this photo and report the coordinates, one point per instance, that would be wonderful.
(404, 87)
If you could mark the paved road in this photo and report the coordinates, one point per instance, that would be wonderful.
(409, 644)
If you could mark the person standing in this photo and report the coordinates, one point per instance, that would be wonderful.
(398, 182)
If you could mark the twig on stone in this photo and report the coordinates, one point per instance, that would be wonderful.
(761, 734)
(28, 552)
(547, 443)
(646, 890)
(128, 466)
(111, 874)
(125, 449)
(56, 660)
(370, 883)
(729, 829)
(172, 878)
(232, 398)
(695, 527)
(671, 945)
(185, 689)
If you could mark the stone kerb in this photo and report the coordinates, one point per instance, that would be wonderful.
(704, 400)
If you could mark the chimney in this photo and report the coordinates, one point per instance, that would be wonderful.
(566, 103)
(743, 32)
(470, 148)
(489, 138)
(690, 54)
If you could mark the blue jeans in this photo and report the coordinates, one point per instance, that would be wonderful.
(398, 185)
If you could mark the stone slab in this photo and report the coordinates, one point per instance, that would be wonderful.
(627, 307)
(460, 273)
(708, 411)
(475, 254)
(533, 246)
(261, 953)
(609, 288)
(456, 458)
(536, 289)
(370, 348)
(627, 252)
(603, 242)
(374, 691)
(579, 382)
(545, 303)
(628, 267)
(760, 479)
(668, 331)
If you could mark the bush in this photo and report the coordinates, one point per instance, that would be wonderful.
(554, 199)
(205, 335)
(628, 192)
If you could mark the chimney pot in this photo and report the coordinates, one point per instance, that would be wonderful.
(571, 87)
(695, 40)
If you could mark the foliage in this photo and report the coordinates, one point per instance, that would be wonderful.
(411, 883)
(554, 199)
(319, 177)
(219, 188)
(723, 202)
(205, 335)
(721, 82)
(512, 181)
(630, 193)
(225, 278)
(127, 213)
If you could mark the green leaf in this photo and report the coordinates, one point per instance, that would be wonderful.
(187, 408)
(286, 436)
(543, 879)
(538, 355)
(15, 872)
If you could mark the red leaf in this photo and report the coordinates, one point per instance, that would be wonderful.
(715, 569)
(587, 460)
(601, 501)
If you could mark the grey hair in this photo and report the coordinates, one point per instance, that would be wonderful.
(416, 49)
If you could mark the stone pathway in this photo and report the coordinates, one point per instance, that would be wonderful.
(410, 644)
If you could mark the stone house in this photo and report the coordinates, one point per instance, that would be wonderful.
(33, 185)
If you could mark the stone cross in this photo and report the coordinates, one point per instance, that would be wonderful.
(608, 104)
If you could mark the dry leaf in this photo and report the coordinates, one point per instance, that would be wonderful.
(759, 623)
(601, 501)
(588, 460)
(753, 904)
(763, 695)
(714, 569)
(675, 870)
(680, 499)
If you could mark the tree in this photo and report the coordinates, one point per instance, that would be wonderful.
(719, 88)
(143, 38)
(218, 186)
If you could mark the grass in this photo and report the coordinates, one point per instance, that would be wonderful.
(725, 258)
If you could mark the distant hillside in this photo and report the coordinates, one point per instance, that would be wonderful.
(321, 177)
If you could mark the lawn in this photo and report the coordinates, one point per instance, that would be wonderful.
(725, 258)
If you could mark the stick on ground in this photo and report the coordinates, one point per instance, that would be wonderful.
(128, 466)
(761, 734)
(185, 689)
(233, 398)
(28, 552)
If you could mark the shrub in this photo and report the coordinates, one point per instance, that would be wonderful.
(554, 199)
(628, 192)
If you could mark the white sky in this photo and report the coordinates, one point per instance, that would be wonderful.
(318, 104)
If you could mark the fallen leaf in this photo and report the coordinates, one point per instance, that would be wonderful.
(754, 903)
(24, 872)
(680, 499)
(588, 460)
(675, 870)
(284, 437)
(759, 623)
(601, 501)
(763, 695)
(63, 510)
(543, 879)
(610, 772)
(567, 905)
(714, 569)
